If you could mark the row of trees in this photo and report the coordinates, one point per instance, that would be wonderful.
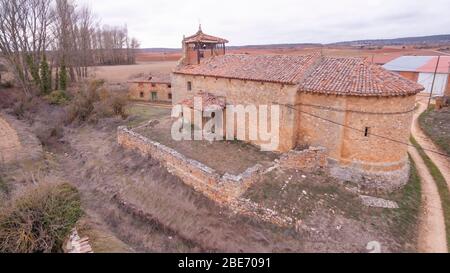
(48, 43)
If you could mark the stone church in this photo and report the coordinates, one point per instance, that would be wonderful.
(360, 112)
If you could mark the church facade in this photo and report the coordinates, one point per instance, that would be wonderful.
(360, 112)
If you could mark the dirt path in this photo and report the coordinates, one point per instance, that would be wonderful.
(443, 163)
(432, 235)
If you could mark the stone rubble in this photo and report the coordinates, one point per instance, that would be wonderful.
(375, 202)
(78, 245)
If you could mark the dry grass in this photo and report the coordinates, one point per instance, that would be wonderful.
(440, 183)
(436, 124)
(332, 211)
(233, 157)
(140, 113)
(39, 219)
(100, 239)
(94, 102)
(161, 213)
(123, 73)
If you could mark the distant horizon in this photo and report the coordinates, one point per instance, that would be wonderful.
(307, 43)
(162, 23)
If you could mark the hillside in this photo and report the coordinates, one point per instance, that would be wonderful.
(429, 40)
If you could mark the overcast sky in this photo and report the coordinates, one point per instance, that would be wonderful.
(162, 23)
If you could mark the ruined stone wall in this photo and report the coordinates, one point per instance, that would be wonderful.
(222, 189)
(371, 159)
(240, 92)
(309, 160)
(162, 91)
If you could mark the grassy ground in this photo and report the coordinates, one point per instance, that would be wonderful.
(436, 124)
(232, 157)
(317, 199)
(4, 188)
(406, 218)
(100, 239)
(441, 185)
(141, 113)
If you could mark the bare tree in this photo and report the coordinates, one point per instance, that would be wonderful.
(23, 36)
(70, 35)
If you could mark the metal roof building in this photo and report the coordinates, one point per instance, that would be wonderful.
(422, 70)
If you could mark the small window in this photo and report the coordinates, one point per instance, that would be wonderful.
(153, 85)
(169, 86)
(367, 132)
(189, 86)
(170, 96)
(141, 94)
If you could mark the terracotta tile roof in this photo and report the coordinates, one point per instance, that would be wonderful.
(358, 77)
(201, 37)
(209, 101)
(153, 78)
(313, 73)
(286, 69)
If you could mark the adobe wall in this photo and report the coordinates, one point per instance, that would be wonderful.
(371, 160)
(162, 91)
(240, 92)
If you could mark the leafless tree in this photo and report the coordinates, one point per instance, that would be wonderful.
(70, 35)
(23, 36)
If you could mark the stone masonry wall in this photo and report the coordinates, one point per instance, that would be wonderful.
(222, 189)
(241, 92)
(162, 90)
(308, 160)
(378, 159)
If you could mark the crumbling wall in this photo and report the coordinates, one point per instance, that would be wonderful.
(227, 189)
(309, 160)
(202, 178)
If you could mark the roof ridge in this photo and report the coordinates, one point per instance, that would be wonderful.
(311, 69)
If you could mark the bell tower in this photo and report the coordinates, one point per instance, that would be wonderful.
(201, 45)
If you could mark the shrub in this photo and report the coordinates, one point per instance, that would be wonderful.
(39, 220)
(58, 97)
(24, 105)
(63, 77)
(7, 84)
(4, 186)
(46, 76)
(94, 103)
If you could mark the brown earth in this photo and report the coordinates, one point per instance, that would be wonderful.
(432, 234)
(122, 73)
